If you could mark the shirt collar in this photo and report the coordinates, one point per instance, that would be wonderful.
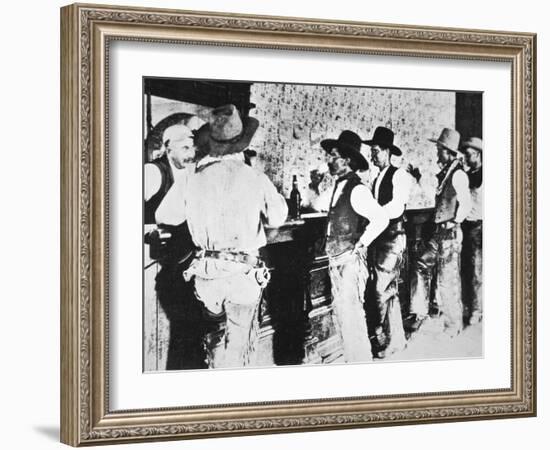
(347, 176)
(383, 172)
(208, 160)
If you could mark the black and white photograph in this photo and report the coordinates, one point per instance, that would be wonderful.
(289, 224)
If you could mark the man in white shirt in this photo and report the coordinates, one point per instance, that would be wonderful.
(391, 190)
(472, 227)
(227, 204)
(442, 251)
(174, 294)
(179, 152)
(355, 219)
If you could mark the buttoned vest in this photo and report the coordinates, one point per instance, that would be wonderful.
(385, 191)
(446, 201)
(345, 226)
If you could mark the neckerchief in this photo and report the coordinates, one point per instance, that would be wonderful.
(444, 175)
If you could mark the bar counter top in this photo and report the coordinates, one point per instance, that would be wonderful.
(294, 229)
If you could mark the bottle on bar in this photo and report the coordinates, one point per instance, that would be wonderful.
(295, 199)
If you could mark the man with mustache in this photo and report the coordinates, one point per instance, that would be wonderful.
(355, 219)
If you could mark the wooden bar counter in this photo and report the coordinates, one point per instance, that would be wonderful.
(296, 309)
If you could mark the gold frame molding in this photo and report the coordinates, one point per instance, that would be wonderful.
(86, 31)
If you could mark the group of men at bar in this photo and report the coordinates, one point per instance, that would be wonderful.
(366, 243)
(225, 205)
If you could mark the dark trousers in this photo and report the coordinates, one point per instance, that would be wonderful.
(472, 269)
(382, 300)
(440, 257)
(185, 315)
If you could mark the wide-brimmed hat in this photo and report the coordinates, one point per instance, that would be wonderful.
(225, 133)
(348, 145)
(473, 142)
(448, 139)
(384, 138)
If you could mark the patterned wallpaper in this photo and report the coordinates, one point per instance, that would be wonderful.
(295, 118)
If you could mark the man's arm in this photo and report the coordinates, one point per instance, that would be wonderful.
(153, 180)
(275, 209)
(460, 183)
(364, 204)
(401, 191)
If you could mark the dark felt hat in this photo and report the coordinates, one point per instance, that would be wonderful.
(384, 138)
(225, 133)
(348, 145)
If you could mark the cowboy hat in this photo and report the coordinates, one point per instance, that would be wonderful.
(348, 145)
(225, 133)
(474, 142)
(384, 138)
(448, 139)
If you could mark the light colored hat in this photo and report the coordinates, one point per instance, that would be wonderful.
(448, 139)
(474, 142)
(176, 132)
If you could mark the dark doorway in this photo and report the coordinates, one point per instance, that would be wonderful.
(469, 115)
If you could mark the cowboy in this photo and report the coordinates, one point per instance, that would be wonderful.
(354, 220)
(442, 251)
(472, 228)
(227, 204)
(391, 190)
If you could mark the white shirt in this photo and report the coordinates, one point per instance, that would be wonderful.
(226, 205)
(476, 213)
(401, 191)
(364, 204)
(461, 185)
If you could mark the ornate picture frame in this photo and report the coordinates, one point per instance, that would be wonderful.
(87, 32)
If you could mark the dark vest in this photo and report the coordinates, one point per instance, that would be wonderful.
(385, 191)
(475, 178)
(167, 182)
(345, 226)
(445, 201)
